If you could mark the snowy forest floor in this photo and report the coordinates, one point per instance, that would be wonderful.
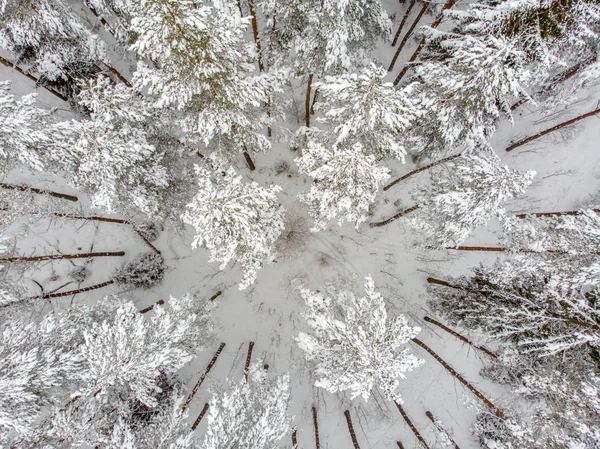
(269, 313)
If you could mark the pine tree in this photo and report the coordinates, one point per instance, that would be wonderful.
(346, 181)
(363, 108)
(235, 221)
(252, 414)
(465, 194)
(355, 345)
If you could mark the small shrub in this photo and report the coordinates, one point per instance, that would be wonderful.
(295, 236)
(79, 274)
(145, 271)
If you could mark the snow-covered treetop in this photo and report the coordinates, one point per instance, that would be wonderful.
(235, 221)
(363, 108)
(465, 194)
(355, 345)
(252, 414)
(346, 182)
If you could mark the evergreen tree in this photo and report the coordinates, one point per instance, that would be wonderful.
(355, 345)
(235, 221)
(346, 181)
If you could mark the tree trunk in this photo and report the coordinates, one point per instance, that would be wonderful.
(22, 188)
(419, 170)
(351, 429)
(501, 249)
(461, 379)
(308, 92)
(61, 257)
(117, 74)
(412, 427)
(408, 35)
(441, 429)
(400, 445)
(249, 160)
(554, 128)
(199, 383)
(261, 67)
(200, 416)
(570, 213)
(294, 439)
(160, 302)
(74, 292)
(215, 296)
(401, 26)
(457, 335)
(9, 64)
(449, 4)
(315, 97)
(248, 358)
(316, 426)
(395, 217)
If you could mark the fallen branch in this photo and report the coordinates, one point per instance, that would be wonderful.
(403, 22)
(551, 130)
(61, 256)
(461, 379)
(307, 101)
(419, 170)
(456, 334)
(501, 249)
(249, 160)
(200, 416)
(449, 4)
(204, 374)
(412, 427)
(9, 64)
(22, 188)
(294, 439)
(118, 75)
(408, 35)
(316, 426)
(400, 445)
(395, 217)
(351, 429)
(441, 429)
(571, 213)
(248, 358)
(215, 296)
(74, 292)
(160, 302)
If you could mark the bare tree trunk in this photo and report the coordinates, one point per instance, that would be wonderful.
(412, 427)
(118, 74)
(501, 249)
(160, 302)
(554, 128)
(460, 337)
(22, 188)
(200, 416)
(408, 35)
(419, 170)
(449, 4)
(75, 292)
(249, 160)
(204, 374)
(461, 379)
(351, 429)
(308, 93)
(215, 296)
(261, 67)
(315, 97)
(9, 64)
(441, 429)
(248, 358)
(61, 257)
(401, 26)
(395, 217)
(294, 439)
(316, 426)
(400, 445)
(571, 213)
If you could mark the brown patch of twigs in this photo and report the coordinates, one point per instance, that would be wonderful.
(459, 336)
(202, 377)
(200, 416)
(441, 429)
(248, 358)
(61, 256)
(461, 379)
(22, 188)
(412, 427)
(351, 429)
(395, 217)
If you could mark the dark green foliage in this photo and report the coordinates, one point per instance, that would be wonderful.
(145, 271)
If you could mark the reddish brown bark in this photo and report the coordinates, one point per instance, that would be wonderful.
(395, 217)
(500, 249)
(449, 4)
(412, 427)
(316, 426)
(308, 94)
(202, 377)
(441, 429)
(22, 188)
(461, 379)
(422, 169)
(552, 129)
(400, 445)
(261, 67)
(249, 160)
(571, 213)
(248, 358)
(75, 292)
(351, 429)
(160, 302)
(61, 256)
(200, 416)
(457, 335)
(403, 22)
(117, 74)
(408, 35)
(9, 64)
